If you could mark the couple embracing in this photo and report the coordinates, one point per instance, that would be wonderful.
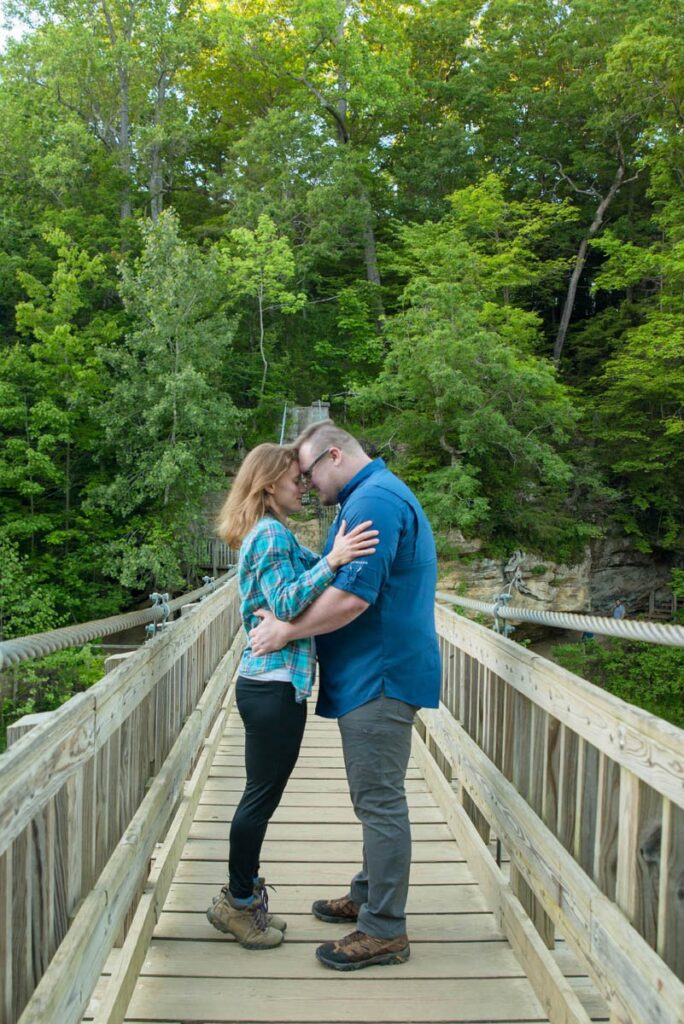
(369, 602)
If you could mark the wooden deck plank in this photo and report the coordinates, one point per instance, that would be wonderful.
(365, 996)
(300, 772)
(333, 851)
(417, 794)
(297, 784)
(316, 873)
(214, 873)
(451, 928)
(287, 813)
(461, 968)
(428, 899)
(217, 828)
(173, 958)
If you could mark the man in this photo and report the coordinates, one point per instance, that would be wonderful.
(379, 662)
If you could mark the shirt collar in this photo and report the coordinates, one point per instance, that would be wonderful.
(372, 467)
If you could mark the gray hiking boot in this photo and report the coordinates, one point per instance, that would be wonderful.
(247, 924)
(272, 920)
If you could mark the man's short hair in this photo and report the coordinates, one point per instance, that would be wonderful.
(328, 435)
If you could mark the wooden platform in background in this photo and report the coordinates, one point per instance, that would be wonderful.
(461, 968)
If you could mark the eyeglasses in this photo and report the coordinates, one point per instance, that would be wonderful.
(305, 476)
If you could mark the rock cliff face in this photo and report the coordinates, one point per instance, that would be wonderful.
(611, 569)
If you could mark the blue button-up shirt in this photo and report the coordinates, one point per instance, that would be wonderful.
(392, 646)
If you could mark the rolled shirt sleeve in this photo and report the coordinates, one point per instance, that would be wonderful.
(365, 577)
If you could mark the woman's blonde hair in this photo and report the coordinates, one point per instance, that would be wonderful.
(248, 499)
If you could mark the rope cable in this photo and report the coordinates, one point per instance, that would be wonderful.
(37, 645)
(630, 629)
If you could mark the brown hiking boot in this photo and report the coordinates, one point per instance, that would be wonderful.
(248, 924)
(272, 920)
(339, 911)
(360, 950)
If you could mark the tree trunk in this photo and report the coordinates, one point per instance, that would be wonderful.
(372, 272)
(261, 340)
(581, 259)
(67, 492)
(156, 184)
(125, 144)
(124, 141)
(174, 421)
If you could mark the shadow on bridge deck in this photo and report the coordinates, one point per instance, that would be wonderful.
(461, 968)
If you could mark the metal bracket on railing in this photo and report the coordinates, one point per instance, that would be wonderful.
(500, 625)
(160, 601)
(208, 581)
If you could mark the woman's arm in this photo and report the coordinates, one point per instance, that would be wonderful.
(270, 558)
(287, 592)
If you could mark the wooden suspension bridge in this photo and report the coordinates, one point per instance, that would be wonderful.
(548, 867)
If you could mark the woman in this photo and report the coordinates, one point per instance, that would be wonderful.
(274, 572)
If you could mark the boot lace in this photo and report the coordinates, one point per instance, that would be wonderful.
(260, 910)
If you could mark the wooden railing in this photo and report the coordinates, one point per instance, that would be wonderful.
(586, 795)
(84, 798)
(214, 554)
(584, 792)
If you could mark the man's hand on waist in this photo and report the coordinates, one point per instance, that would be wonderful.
(329, 612)
(270, 635)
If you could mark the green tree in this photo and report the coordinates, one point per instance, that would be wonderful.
(478, 423)
(260, 266)
(50, 386)
(113, 67)
(638, 403)
(168, 422)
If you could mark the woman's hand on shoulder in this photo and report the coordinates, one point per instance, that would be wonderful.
(349, 546)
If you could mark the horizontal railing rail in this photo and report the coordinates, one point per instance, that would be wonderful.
(586, 795)
(84, 796)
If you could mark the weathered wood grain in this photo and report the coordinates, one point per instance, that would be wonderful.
(576, 906)
(6, 937)
(551, 988)
(113, 1007)
(671, 891)
(70, 787)
(651, 748)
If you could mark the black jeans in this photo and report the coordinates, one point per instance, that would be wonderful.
(274, 726)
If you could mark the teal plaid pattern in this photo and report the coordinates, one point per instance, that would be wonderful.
(276, 572)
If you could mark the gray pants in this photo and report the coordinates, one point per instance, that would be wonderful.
(376, 740)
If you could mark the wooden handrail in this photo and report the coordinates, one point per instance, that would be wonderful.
(70, 790)
(586, 793)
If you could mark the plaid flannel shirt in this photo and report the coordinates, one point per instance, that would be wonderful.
(276, 572)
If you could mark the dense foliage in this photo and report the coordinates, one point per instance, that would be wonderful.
(644, 674)
(461, 223)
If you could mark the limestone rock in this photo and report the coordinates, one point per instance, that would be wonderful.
(610, 569)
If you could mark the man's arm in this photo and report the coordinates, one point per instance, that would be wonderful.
(332, 610)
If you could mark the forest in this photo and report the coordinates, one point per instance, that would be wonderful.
(461, 223)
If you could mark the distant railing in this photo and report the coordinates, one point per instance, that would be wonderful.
(214, 554)
(84, 797)
(586, 795)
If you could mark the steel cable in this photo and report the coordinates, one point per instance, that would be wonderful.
(630, 629)
(37, 645)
